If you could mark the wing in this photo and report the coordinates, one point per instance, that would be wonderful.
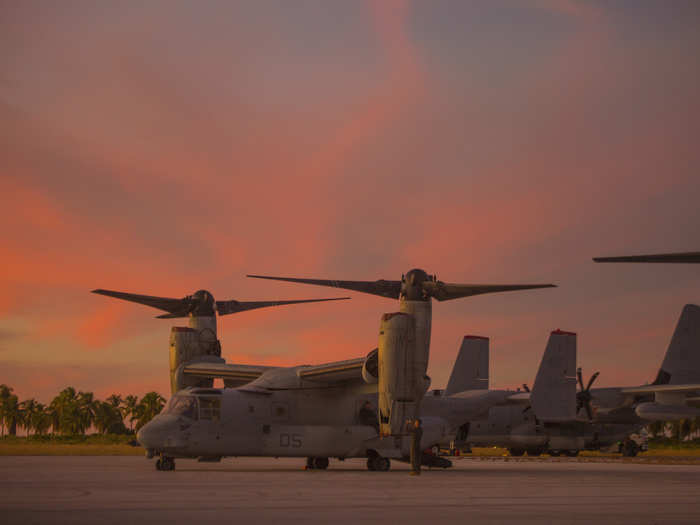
(683, 257)
(390, 289)
(233, 307)
(234, 375)
(651, 389)
(337, 372)
(446, 291)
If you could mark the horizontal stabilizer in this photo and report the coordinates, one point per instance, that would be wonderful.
(471, 369)
(553, 396)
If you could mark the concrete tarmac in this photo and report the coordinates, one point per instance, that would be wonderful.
(262, 490)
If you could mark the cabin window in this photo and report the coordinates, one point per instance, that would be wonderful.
(210, 408)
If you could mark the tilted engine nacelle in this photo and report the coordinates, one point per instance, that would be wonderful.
(370, 369)
(402, 379)
(194, 344)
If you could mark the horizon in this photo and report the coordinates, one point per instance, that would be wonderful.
(163, 149)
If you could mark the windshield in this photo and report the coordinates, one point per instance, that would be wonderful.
(183, 406)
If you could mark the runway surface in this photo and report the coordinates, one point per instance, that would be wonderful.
(260, 490)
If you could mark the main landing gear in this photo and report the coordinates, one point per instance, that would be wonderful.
(316, 463)
(165, 463)
(378, 463)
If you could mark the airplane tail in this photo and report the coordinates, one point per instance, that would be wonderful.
(553, 396)
(471, 369)
(681, 364)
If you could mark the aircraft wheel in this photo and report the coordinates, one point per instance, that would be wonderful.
(309, 463)
(571, 453)
(555, 453)
(321, 463)
(532, 452)
(159, 464)
(165, 463)
(382, 464)
(516, 451)
(372, 463)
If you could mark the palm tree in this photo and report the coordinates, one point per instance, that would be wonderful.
(108, 418)
(26, 410)
(5, 393)
(86, 410)
(150, 406)
(65, 415)
(656, 428)
(11, 414)
(40, 419)
(129, 409)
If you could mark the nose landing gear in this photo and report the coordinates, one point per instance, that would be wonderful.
(165, 463)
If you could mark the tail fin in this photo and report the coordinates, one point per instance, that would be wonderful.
(681, 365)
(471, 370)
(553, 396)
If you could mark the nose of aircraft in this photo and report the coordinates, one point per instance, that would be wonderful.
(161, 431)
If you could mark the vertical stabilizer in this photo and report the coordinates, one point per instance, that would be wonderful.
(553, 396)
(471, 369)
(681, 365)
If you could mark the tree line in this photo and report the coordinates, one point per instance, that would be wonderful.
(74, 412)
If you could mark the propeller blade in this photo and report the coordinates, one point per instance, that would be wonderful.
(447, 291)
(233, 307)
(589, 411)
(390, 289)
(590, 381)
(525, 387)
(580, 378)
(175, 307)
(684, 257)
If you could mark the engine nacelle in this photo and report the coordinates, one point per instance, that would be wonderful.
(402, 379)
(661, 412)
(370, 369)
(192, 345)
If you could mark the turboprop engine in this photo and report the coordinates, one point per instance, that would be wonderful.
(402, 379)
(197, 342)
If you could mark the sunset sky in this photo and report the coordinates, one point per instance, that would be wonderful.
(164, 147)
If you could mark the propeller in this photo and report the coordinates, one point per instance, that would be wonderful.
(200, 303)
(415, 285)
(583, 397)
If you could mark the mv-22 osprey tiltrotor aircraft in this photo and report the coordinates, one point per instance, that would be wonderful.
(344, 409)
(592, 418)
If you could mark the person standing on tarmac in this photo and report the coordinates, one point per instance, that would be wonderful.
(414, 428)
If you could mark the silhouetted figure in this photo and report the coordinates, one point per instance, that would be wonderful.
(416, 454)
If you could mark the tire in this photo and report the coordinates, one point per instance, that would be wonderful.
(382, 464)
(571, 453)
(371, 463)
(516, 451)
(555, 453)
(321, 463)
(159, 464)
(533, 452)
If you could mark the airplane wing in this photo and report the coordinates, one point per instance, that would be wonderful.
(651, 389)
(337, 372)
(234, 375)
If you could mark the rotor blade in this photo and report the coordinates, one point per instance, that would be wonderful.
(383, 288)
(446, 291)
(525, 387)
(593, 378)
(580, 378)
(173, 306)
(233, 307)
(683, 257)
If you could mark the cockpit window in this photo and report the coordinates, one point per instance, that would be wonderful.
(183, 406)
(210, 408)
